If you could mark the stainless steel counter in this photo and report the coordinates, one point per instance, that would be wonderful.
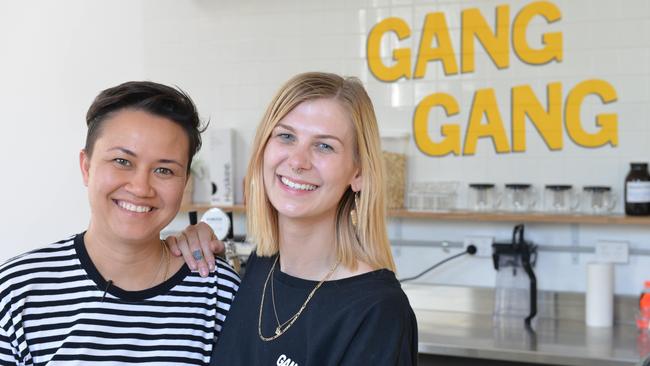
(456, 322)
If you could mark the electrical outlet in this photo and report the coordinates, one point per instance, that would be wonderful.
(483, 245)
(610, 251)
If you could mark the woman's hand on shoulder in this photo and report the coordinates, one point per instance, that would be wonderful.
(198, 245)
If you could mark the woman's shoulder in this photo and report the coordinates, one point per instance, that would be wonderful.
(52, 255)
(378, 289)
(374, 301)
(256, 260)
(226, 273)
(255, 267)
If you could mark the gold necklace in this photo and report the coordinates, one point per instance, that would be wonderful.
(281, 328)
(164, 258)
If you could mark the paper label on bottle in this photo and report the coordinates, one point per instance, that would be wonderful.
(638, 192)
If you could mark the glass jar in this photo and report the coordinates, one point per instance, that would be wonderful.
(520, 197)
(432, 196)
(394, 146)
(637, 190)
(598, 200)
(560, 198)
(483, 197)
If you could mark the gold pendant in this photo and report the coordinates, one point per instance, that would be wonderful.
(278, 331)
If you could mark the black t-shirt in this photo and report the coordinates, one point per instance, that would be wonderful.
(361, 320)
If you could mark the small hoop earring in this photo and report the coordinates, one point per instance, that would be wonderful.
(354, 213)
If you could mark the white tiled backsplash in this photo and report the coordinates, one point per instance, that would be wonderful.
(233, 55)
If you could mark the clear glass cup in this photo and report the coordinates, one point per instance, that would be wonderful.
(483, 197)
(415, 197)
(520, 197)
(432, 196)
(560, 198)
(598, 200)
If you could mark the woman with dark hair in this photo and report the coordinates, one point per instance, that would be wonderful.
(113, 293)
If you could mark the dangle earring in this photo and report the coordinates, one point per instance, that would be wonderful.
(354, 213)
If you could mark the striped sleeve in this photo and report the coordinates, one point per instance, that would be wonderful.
(54, 309)
(6, 350)
(227, 285)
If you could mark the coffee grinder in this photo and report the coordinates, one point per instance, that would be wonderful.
(516, 285)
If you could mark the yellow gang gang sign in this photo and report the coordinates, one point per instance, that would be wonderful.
(550, 118)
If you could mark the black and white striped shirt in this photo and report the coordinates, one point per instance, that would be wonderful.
(56, 309)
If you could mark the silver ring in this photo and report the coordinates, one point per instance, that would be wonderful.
(197, 254)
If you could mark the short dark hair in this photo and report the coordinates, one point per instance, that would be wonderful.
(157, 99)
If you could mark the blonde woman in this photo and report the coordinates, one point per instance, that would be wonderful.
(320, 288)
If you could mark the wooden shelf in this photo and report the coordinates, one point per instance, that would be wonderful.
(479, 216)
(201, 207)
(524, 217)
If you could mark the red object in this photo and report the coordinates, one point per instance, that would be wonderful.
(644, 301)
(643, 344)
(643, 320)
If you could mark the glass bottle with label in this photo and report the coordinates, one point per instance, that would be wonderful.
(637, 190)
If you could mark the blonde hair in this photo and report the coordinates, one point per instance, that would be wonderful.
(368, 241)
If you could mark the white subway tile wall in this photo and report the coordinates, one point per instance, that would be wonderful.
(233, 55)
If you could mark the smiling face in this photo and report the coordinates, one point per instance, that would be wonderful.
(309, 161)
(135, 176)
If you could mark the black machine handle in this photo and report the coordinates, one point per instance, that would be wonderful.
(533, 287)
(518, 230)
